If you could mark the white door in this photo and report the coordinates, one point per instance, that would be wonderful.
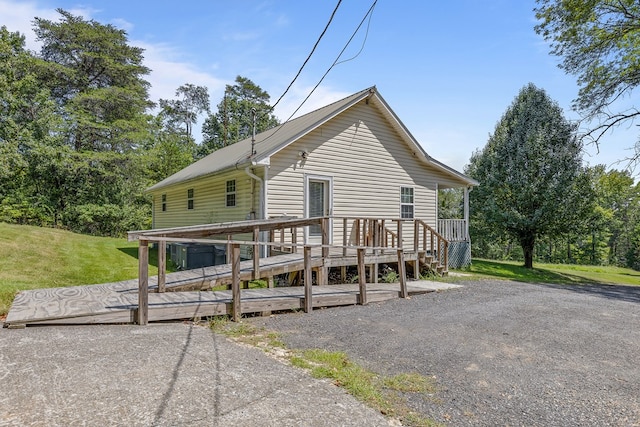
(318, 202)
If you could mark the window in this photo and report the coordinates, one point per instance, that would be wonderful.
(164, 203)
(231, 193)
(190, 198)
(406, 202)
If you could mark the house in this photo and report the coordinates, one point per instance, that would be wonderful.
(353, 157)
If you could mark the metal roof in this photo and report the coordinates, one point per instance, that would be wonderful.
(271, 141)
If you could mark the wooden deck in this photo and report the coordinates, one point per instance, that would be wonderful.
(189, 295)
(117, 302)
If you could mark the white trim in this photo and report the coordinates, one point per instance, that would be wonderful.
(413, 203)
(437, 212)
(329, 181)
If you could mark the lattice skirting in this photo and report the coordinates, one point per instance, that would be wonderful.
(459, 254)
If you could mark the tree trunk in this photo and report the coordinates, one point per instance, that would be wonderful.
(528, 242)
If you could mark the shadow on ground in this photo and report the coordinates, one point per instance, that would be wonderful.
(627, 293)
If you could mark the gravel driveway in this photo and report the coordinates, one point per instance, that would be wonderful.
(502, 353)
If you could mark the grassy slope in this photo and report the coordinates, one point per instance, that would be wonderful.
(34, 257)
(554, 273)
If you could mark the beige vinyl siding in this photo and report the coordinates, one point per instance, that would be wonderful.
(368, 162)
(209, 201)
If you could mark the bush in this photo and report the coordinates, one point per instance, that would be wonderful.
(107, 220)
(24, 212)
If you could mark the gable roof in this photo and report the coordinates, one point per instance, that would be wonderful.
(269, 142)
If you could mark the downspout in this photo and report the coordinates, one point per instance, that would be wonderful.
(248, 171)
(263, 203)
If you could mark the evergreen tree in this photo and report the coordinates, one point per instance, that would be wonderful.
(532, 182)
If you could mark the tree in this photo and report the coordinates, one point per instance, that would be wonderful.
(193, 101)
(620, 199)
(531, 178)
(599, 42)
(27, 119)
(96, 79)
(233, 120)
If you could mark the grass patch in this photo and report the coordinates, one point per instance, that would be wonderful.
(565, 274)
(36, 257)
(385, 394)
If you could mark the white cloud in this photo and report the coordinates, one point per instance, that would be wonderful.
(19, 16)
(168, 72)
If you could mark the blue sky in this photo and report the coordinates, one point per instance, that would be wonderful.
(448, 69)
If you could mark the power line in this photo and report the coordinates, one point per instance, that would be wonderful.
(309, 56)
(335, 62)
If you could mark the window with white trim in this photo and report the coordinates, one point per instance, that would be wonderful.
(164, 203)
(231, 193)
(190, 198)
(406, 202)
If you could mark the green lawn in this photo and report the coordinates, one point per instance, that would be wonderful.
(34, 257)
(553, 273)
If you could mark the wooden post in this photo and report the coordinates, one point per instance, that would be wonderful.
(373, 271)
(229, 255)
(365, 233)
(362, 277)
(324, 224)
(400, 233)
(256, 253)
(272, 237)
(345, 241)
(235, 283)
(162, 265)
(294, 240)
(383, 234)
(324, 271)
(416, 247)
(424, 239)
(431, 238)
(356, 223)
(344, 237)
(308, 302)
(143, 282)
(281, 239)
(446, 256)
(402, 273)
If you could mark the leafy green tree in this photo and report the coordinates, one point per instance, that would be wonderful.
(532, 182)
(96, 78)
(233, 120)
(192, 101)
(620, 199)
(27, 119)
(599, 42)
(168, 151)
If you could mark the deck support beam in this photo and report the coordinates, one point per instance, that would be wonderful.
(308, 292)
(362, 278)
(142, 317)
(402, 272)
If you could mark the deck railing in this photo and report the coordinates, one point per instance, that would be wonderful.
(364, 235)
(454, 230)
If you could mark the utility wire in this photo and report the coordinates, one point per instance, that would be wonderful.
(335, 62)
(309, 56)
